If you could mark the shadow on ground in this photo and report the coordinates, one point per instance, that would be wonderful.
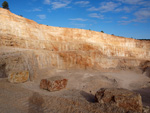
(88, 97)
(145, 93)
(36, 103)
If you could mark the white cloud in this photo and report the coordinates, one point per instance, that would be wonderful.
(108, 6)
(125, 22)
(95, 15)
(105, 7)
(136, 2)
(143, 13)
(125, 8)
(131, 1)
(34, 10)
(137, 20)
(93, 9)
(82, 3)
(57, 5)
(37, 9)
(60, 4)
(42, 16)
(78, 19)
(140, 16)
(47, 2)
(78, 25)
(124, 17)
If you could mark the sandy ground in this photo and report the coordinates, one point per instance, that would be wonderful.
(78, 95)
(91, 81)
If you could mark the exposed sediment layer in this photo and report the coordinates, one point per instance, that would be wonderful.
(27, 45)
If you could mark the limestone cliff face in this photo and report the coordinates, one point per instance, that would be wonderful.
(41, 46)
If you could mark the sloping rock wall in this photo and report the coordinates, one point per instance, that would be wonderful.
(40, 46)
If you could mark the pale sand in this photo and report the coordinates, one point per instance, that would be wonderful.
(90, 81)
(81, 89)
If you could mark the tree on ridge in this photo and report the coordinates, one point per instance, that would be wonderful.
(102, 31)
(5, 5)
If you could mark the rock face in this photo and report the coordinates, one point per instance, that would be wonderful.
(123, 98)
(18, 77)
(54, 83)
(38, 46)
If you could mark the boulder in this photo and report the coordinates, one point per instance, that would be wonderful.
(123, 98)
(18, 77)
(54, 83)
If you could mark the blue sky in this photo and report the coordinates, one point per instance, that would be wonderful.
(128, 18)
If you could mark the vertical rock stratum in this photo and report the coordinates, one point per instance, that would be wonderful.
(27, 45)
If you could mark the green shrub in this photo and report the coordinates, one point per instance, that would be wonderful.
(5, 5)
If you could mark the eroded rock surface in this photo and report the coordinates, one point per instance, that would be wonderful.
(18, 77)
(120, 97)
(44, 46)
(54, 83)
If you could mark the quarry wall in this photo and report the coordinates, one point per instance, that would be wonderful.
(31, 45)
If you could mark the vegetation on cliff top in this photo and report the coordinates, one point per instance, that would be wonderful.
(5, 5)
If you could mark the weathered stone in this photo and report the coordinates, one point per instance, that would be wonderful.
(18, 77)
(121, 98)
(43, 84)
(54, 83)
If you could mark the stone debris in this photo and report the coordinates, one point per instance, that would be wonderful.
(18, 77)
(123, 98)
(54, 83)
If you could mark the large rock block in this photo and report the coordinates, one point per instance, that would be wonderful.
(123, 98)
(54, 83)
(18, 77)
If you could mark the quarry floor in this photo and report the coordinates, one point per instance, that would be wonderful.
(77, 97)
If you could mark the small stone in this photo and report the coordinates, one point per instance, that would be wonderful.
(54, 83)
(123, 98)
(18, 77)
